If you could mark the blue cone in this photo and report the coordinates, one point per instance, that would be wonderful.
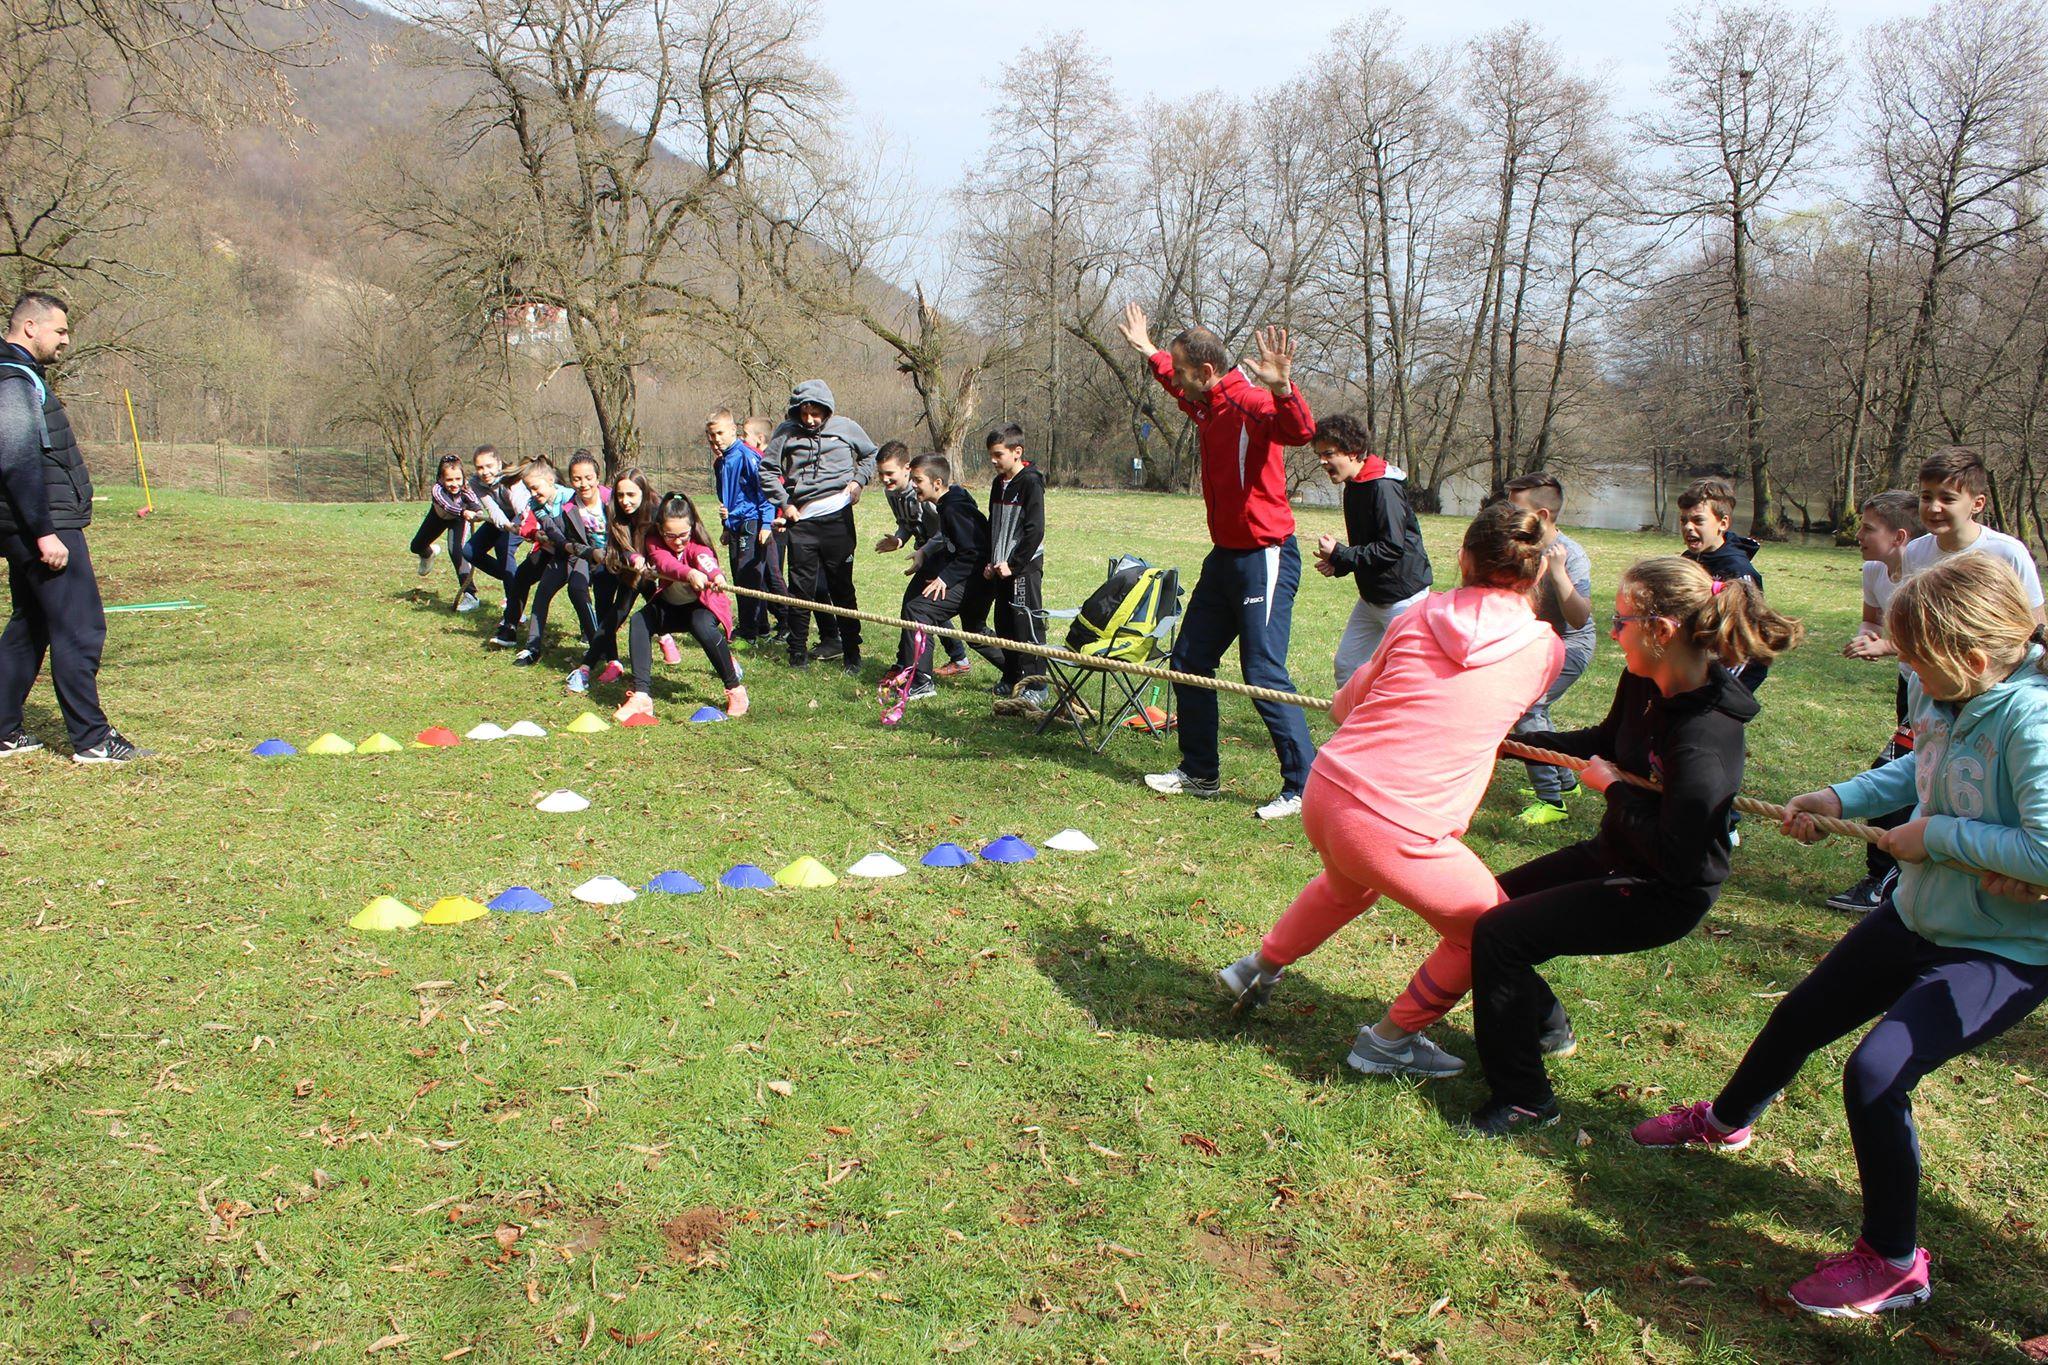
(746, 877)
(1008, 849)
(947, 855)
(273, 748)
(521, 900)
(676, 884)
(704, 715)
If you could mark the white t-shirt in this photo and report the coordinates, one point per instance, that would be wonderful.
(1922, 553)
(1878, 587)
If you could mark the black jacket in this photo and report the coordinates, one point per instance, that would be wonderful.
(1692, 744)
(1730, 561)
(917, 521)
(44, 486)
(1016, 519)
(1385, 552)
(960, 549)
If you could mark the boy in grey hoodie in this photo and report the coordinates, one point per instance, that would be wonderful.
(816, 465)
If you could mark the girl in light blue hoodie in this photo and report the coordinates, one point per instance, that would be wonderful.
(1956, 955)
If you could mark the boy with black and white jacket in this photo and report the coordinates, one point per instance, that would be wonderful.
(1016, 568)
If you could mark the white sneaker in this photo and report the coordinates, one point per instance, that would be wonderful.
(1414, 1055)
(1279, 808)
(1178, 783)
(427, 559)
(469, 601)
(1247, 983)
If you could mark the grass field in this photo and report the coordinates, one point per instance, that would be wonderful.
(989, 1114)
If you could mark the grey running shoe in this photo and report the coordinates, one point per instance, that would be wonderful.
(923, 691)
(1414, 1055)
(1178, 783)
(1247, 983)
(469, 601)
(20, 742)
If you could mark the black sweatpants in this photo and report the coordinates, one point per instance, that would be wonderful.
(519, 585)
(1571, 903)
(1020, 615)
(56, 613)
(559, 573)
(663, 618)
(821, 569)
(969, 603)
(1937, 1003)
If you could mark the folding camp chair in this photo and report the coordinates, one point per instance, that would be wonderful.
(1099, 702)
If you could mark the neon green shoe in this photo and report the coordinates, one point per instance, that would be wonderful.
(1541, 812)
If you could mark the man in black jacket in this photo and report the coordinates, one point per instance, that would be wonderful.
(45, 506)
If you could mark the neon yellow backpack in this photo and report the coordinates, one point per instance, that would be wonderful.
(1118, 618)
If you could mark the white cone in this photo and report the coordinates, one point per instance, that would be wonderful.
(561, 803)
(526, 729)
(603, 891)
(1071, 841)
(876, 865)
(486, 731)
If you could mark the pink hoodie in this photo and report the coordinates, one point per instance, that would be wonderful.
(1418, 724)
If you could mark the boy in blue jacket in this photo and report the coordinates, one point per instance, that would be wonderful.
(749, 520)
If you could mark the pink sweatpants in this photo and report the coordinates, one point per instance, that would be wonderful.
(1365, 856)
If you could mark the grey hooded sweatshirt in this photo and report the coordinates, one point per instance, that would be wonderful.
(802, 467)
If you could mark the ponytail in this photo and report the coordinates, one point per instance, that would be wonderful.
(1504, 547)
(1727, 621)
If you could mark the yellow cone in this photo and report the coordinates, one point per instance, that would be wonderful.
(385, 914)
(586, 724)
(330, 744)
(453, 910)
(379, 743)
(805, 874)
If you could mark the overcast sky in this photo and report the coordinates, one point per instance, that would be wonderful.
(925, 70)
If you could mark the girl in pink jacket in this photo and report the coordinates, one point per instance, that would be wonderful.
(1392, 791)
(688, 596)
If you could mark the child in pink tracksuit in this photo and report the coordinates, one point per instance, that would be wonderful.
(689, 597)
(1391, 792)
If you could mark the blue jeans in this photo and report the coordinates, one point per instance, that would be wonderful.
(1550, 781)
(1246, 596)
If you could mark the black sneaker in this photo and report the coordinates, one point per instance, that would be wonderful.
(503, 639)
(20, 742)
(1499, 1119)
(526, 658)
(849, 662)
(1866, 895)
(799, 659)
(828, 649)
(923, 691)
(1557, 1038)
(112, 749)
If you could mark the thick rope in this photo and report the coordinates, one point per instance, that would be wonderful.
(1748, 805)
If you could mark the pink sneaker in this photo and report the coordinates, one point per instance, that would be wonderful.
(670, 655)
(1859, 1283)
(1685, 1125)
(611, 673)
(638, 704)
(735, 702)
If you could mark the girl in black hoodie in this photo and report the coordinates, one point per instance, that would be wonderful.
(1658, 862)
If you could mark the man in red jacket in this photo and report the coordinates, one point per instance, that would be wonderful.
(1246, 416)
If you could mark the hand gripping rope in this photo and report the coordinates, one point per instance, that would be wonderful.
(1748, 805)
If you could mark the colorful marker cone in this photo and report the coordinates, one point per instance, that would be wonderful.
(675, 884)
(638, 721)
(521, 900)
(436, 737)
(385, 914)
(604, 891)
(526, 729)
(705, 715)
(453, 910)
(586, 724)
(379, 743)
(1008, 849)
(1071, 841)
(877, 865)
(273, 748)
(947, 855)
(561, 803)
(486, 730)
(745, 877)
(330, 744)
(805, 874)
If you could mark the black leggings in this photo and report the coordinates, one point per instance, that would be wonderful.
(610, 601)
(663, 618)
(558, 573)
(1937, 1003)
(519, 585)
(1571, 903)
(432, 528)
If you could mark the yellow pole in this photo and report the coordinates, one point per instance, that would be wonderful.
(148, 504)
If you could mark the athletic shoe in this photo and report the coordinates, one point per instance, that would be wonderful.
(670, 655)
(952, 669)
(1414, 1055)
(1279, 808)
(427, 559)
(828, 649)
(1248, 984)
(923, 691)
(526, 658)
(735, 702)
(1033, 702)
(502, 639)
(112, 749)
(799, 659)
(469, 601)
(20, 742)
(579, 679)
(1000, 689)
(1866, 895)
(610, 673)
(849, 662)
(1178, 783)
(1541, 812)
(1687, 1125)
(636, 704)
(1499, 1119)
(1557, 1038)
(1859, 1283)
(1735, 838)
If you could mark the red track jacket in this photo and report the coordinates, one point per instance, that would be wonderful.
(1243, 431)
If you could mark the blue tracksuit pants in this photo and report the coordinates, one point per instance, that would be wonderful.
(1246, 596)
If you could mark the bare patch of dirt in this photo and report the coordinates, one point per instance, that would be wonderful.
(1249, 1263)
(694, 1236)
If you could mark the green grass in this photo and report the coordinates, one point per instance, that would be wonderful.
(1018, 1124)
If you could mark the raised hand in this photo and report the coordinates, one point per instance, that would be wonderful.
(1136, 329)
(1274, 365)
